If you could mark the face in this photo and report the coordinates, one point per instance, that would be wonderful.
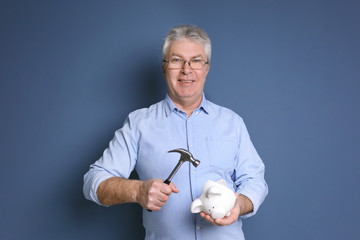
(185, 85)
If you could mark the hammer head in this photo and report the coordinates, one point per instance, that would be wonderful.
(186, 156)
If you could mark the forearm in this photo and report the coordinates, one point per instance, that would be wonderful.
(245, 204)
(118, 190)
(150, 194)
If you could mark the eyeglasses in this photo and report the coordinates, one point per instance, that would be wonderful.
(177, 63)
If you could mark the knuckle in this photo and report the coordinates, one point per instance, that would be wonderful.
(165, 198)
(168, 190)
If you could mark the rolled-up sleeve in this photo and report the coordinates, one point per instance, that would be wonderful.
(249, 171)
(118, 160)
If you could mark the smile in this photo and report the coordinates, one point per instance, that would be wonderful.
(186, 81)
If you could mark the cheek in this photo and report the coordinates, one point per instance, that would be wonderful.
(168, 78)
(171, 76)
(202, 76)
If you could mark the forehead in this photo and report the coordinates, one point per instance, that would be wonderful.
(186, 48)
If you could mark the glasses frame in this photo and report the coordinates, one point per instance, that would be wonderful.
(184, 61)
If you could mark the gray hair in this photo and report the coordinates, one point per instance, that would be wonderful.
(191, 32)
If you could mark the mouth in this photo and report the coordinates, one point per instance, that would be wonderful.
(186, 81)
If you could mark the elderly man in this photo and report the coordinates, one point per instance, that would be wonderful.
(185, 119)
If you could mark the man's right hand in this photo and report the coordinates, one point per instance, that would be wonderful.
(154, 193)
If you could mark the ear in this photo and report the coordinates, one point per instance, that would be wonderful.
(213, 191)
(196, 206)
(163, 68)
(206, 70)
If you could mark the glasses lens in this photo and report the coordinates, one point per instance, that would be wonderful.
(179, 63)
(175, 63)
(196, 63)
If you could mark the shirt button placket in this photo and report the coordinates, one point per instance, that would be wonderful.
(197, 228)
(192, 170)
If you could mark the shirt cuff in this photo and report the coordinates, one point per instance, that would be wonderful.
(99, 178)
(254, 199)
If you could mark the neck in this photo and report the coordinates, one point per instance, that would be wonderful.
(187, 106)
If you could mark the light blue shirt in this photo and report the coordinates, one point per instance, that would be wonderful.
(214, 135)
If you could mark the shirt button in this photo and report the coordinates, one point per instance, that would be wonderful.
(198, 228)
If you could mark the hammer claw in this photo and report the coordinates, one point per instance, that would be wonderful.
(185, 156)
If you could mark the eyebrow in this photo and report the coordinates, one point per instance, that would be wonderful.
(177, 55)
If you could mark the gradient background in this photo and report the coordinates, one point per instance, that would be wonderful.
(71, 71)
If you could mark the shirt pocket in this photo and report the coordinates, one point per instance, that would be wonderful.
(222, 152)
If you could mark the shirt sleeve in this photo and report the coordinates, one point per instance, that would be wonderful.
(118, 160)
(249, 171)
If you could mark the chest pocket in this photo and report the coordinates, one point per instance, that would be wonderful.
(222, 152)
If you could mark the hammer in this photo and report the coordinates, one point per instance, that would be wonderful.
(185, 156)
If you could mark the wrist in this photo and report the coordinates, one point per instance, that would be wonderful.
(137, 187)
(245, 204)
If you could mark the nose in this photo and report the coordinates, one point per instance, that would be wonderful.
(186, 69)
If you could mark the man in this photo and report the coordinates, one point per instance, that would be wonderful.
(185, 119)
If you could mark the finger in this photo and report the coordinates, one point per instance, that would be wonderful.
(154, 208)
(159, 203)
(166, 189)
(228, 220)
(174, 188)
(207, 217)
(153, 205)
(222, 222)
(162, 198)
(219, 221)
(156, 205)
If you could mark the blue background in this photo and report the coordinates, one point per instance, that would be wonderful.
(71, 71)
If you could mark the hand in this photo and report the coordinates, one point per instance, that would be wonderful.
(153, 193)
(227, 220)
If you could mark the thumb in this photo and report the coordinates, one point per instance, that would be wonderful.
(174, 188)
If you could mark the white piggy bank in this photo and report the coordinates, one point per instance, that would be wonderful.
(216, 200)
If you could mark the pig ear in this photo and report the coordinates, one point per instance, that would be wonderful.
(196, 206)
(213, 191)
(222, 182)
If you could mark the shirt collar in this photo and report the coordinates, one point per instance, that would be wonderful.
(170, 105)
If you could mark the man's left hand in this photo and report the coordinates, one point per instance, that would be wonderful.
(227, 220)
(243, 205)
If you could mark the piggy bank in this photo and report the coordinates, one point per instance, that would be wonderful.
(216, 199)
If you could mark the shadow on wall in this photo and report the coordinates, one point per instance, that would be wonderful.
(148, 86)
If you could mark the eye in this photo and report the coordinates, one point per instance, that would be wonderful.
(196, 60)
(175, 60)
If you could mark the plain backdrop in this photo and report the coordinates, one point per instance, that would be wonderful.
(71, 71)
